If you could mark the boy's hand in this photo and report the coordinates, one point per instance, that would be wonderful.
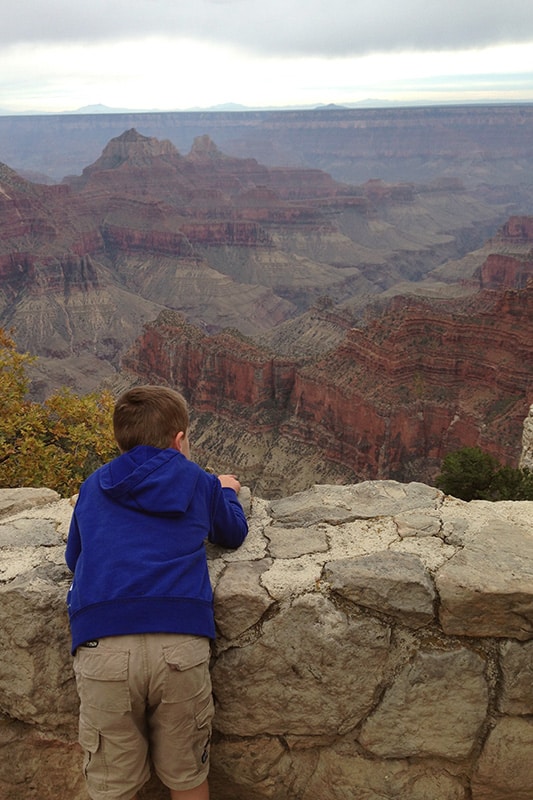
(230, 482)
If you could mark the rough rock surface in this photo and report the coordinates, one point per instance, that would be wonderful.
(389, 400)
(226, 241)
(374, 641)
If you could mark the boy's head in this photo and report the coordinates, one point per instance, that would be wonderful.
(150, 415)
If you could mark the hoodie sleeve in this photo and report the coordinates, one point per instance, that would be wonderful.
(73, 549)
(229, 526)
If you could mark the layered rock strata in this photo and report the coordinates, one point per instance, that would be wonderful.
(490, 144)
(231, 243)
(388, 400)
(373, 640)
(225, 240)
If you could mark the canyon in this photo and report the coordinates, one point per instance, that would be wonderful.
(488, 146)
(389, 400)
(343, 297)
(321, 330)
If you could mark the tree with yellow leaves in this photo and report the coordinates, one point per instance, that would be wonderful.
(56, 444)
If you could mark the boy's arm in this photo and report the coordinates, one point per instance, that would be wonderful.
(229, 527)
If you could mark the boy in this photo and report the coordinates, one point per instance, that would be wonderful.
(140, 603)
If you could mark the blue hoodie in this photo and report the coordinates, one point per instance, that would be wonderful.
(136, 546)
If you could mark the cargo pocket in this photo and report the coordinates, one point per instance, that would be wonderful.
(102, 680)
(187, 673)
(204, 720)
(89, 739)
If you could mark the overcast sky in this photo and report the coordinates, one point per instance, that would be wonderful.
(59, 55)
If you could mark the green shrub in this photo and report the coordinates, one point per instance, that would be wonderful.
(472, 474)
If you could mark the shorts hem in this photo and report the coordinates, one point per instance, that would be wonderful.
(110, 795)
(183, 786)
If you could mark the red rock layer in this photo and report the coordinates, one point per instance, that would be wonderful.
(506, 272)
(419, 381)
(141, 195)
(511, 266)
(519, 228)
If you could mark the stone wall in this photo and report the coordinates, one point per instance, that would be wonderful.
(375, 642)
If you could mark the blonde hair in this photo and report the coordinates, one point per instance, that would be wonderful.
(149, 415)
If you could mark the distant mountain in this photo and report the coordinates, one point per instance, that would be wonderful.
(222, 107)
(482, 146)
(98, 108)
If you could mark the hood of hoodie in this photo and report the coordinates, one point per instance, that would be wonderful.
(159, 482)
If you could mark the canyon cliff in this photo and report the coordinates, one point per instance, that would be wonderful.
(421, 379)
(321, 330)
(487, 145)
(86, 263)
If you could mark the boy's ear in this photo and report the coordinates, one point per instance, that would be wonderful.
(177, 441)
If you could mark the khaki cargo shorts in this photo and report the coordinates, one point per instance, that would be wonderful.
(144, 699)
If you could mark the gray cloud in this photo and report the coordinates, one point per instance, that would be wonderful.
(279, 27)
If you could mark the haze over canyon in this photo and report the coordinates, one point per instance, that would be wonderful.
(326, 325)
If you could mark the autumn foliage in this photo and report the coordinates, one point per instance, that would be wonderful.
(57, 443)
